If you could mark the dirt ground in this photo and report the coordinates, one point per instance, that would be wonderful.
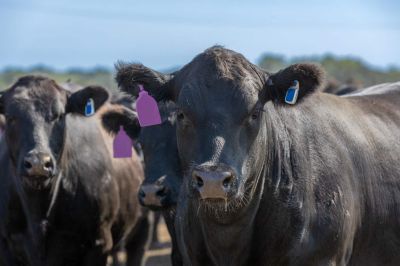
(156, 256)
(160, 256)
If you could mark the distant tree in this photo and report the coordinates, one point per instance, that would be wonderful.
(272, 62)
(340, 70)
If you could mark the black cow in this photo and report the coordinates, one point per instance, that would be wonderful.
(79, 201)
(269, 183)
(163, 172)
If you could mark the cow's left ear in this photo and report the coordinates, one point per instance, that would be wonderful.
(77, 101)
(309, 76)
(121, 116)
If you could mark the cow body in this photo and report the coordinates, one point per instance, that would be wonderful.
(89, 206)
(338, 202)
(267, 183)
(163, 173)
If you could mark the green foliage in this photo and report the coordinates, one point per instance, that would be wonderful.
(339, 69)
(95, 76)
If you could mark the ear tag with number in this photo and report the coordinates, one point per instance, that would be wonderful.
(122, 144)
(147, 109)
(89, 108)
(292, 93)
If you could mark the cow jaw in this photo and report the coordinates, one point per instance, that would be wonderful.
(36, 182)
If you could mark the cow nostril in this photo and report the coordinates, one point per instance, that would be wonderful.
(227, 181)
(27, 165)
(199, 181)
(161, 192)
(48, 165)
(142, 194)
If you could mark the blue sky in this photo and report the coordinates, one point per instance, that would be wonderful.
(164, 34)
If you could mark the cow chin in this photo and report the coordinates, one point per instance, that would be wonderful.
(219, 207)
(36, 182)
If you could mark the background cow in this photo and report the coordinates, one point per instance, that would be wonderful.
(163, 173)
(81, 201)
(267, 183)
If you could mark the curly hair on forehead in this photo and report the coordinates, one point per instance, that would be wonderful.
(227, 64)
(36, 80)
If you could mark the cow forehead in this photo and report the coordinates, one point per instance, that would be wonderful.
(237, 98)
(37, 99)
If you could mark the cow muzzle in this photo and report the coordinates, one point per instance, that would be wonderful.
(214, 182)
(37, 170)
(153, 196)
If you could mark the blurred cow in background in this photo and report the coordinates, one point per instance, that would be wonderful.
(74, 202)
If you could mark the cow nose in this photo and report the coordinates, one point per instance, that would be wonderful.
(152, 195)
(38, 164)
(213, 184)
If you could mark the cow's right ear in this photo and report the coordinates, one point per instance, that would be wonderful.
(113, 119)
(309, 78)
(130, 76)
(77, 101)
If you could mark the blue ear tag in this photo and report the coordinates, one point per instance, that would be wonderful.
(89, 108)
(292, 93)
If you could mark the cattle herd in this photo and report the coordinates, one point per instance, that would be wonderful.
(240, 176)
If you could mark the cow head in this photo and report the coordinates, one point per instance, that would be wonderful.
(221, 119)
(163, 175)
(35, 108)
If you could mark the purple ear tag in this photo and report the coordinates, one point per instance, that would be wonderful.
(147, 109)
(122, 144)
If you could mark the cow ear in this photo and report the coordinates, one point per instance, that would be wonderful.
(77, 101)
(121, 116)
(129, 76)
(309, 77)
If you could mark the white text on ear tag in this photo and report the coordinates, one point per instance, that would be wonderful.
(292, 93)
(89, 108)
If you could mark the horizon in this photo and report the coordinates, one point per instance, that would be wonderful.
(73, 35)
(83, 69)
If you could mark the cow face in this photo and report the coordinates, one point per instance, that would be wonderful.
(163, 170)
(35, 109)
(221, 119)
(163, 174)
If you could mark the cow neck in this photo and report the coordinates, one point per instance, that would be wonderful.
(44, 215)
(280, 178)
(55, 189)
(41, 204)
(237, 235)
(236, 231)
